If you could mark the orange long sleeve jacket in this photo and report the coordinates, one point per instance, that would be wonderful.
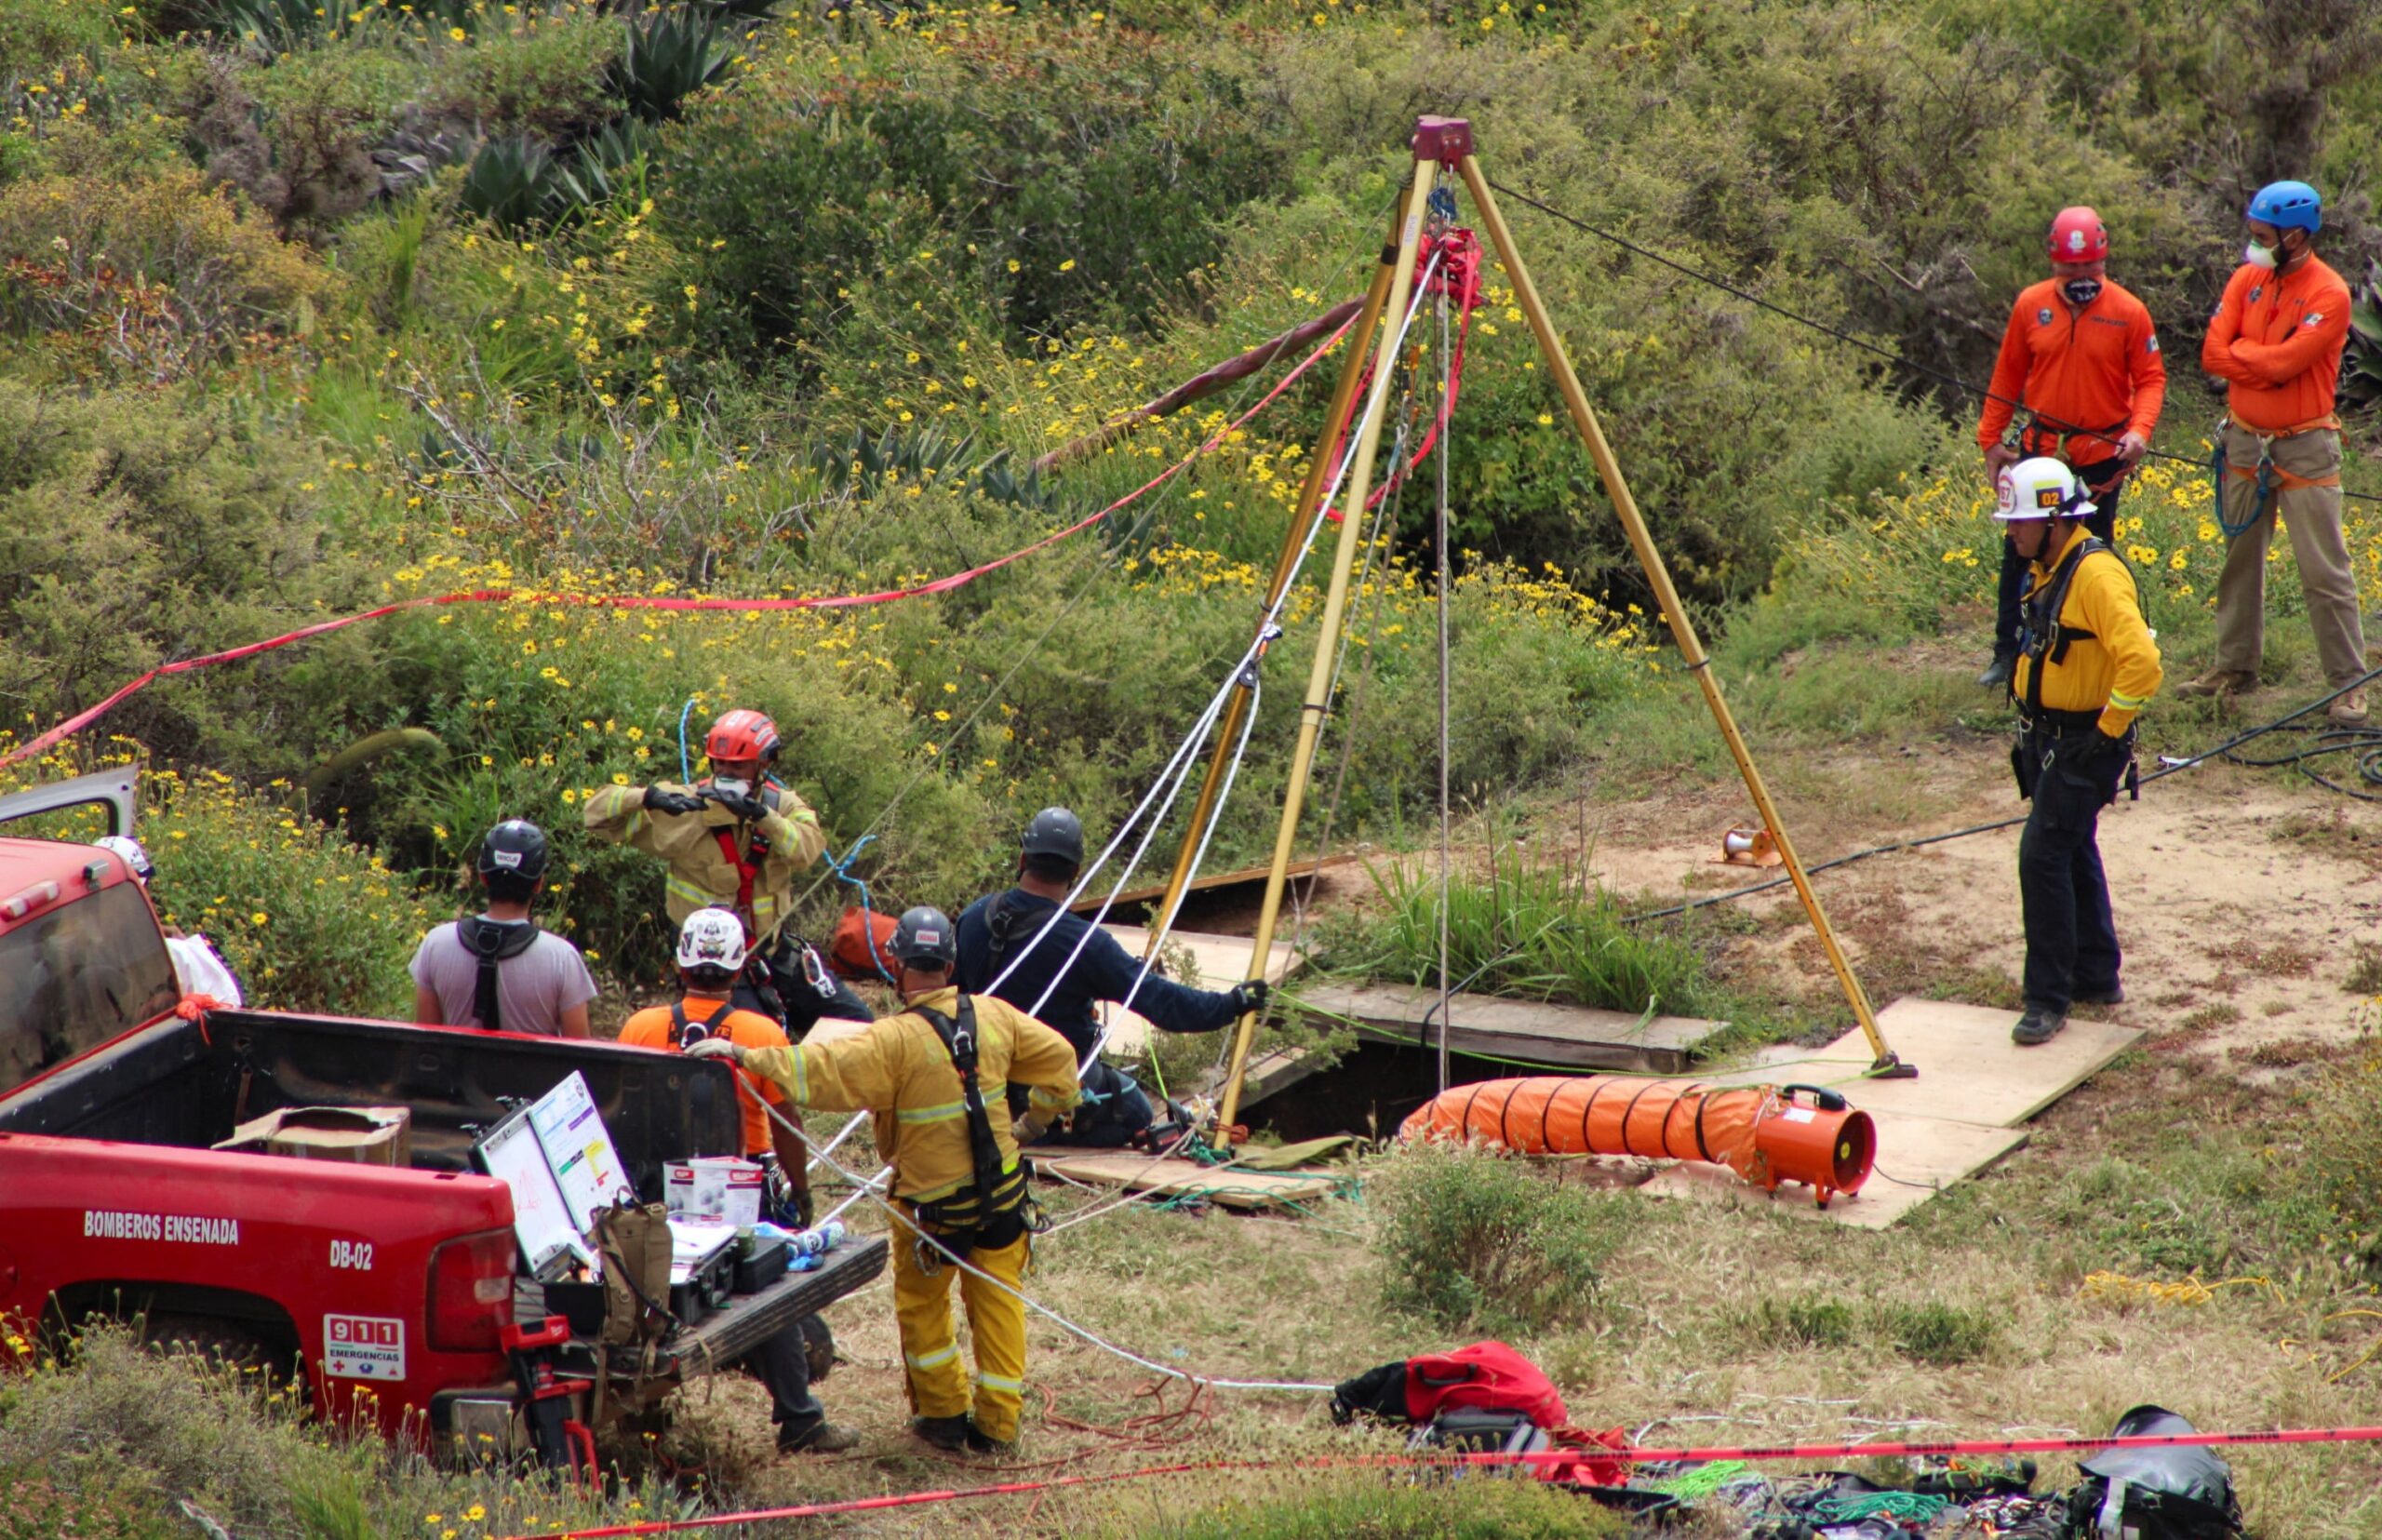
(2095, 367)
(2278, 337)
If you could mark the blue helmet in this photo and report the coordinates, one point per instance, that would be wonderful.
(2289, 205)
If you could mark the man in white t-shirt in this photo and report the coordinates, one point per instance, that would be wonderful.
(198, 967)
(497, 969)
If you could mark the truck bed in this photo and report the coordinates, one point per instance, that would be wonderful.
(190, 1084)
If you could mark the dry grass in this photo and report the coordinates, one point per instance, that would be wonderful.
(1971, 1317)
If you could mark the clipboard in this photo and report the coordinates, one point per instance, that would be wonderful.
(559, 1160)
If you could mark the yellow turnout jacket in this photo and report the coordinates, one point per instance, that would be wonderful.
(702, 875)
(899, 1070)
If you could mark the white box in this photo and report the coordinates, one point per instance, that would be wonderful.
(714, 1188)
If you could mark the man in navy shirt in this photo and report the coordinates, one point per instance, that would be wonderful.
(996, 931)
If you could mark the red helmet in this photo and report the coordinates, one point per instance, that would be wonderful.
(2077, 236)
(743, 734)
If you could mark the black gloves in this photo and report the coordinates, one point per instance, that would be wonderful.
(745, 807)
(658, 800)
(1249, 995)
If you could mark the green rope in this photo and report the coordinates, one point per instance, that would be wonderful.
(1919, 1506)
(1692, 1486)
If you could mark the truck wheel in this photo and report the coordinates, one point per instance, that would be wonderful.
(218, 1342)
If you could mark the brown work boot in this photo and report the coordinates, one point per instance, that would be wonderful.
(824, 1439)
(2350, 710)
(2220, 682)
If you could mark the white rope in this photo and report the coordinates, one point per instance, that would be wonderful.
(1177, 765)
(1084, 1333)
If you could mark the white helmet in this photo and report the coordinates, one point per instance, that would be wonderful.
(127, 848)
(712, 938)
(2041, 487)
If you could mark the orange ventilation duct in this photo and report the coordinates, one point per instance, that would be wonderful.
(1765, 1134)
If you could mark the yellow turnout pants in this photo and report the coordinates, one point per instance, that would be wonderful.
(931, 1346)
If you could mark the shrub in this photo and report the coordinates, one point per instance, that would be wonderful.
(1539, 928)
(150, 277)
(307, 920)
(2344, 1156)
(135, 528)
(1070, 170)
(1480, 1241)
(545, 77)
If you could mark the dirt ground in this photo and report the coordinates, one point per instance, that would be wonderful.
(2241, 897)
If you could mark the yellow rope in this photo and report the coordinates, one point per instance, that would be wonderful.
(2118, 1288)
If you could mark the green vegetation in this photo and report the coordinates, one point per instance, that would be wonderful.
(307, 308)
(1539, 927)
(120, 1442)
(1476, 1239)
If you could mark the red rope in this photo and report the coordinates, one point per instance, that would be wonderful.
(640, 601)
(1558, 1458)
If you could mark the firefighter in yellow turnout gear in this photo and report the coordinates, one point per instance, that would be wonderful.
(935, 1077)
(734, 840)
(2087, 667)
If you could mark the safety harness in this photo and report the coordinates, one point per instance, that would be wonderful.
(2046, 642)
(493, 941)
(2039, 436)
(2270, 477)
(994, 1208)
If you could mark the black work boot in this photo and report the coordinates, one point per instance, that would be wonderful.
(1997, 673)
(2038, 1025)
(2113, 995)
(942, 1432)
(981, 1443)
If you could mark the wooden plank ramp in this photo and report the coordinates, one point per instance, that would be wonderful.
(1560, 1036)
(1247, 1191)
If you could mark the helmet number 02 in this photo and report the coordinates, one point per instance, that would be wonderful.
(354, 1255)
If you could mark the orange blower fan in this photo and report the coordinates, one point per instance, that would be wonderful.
(1765, 1134)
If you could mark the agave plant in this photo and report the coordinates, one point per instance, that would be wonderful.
(857, 466)
(669, 57)
(2361, 383)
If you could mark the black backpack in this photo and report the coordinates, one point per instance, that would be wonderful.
(2185, 1493)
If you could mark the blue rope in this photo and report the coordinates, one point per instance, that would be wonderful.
(842, 868)
(686, 773)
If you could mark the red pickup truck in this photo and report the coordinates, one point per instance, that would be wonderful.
(390, 1286)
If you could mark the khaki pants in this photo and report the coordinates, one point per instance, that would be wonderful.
(2313, 517)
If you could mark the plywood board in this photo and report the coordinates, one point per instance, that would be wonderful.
(1566, 1036)
(1299, 872)
(1223, 961)
(1969, 1070)
(1926, 1154)
(1234, 1189)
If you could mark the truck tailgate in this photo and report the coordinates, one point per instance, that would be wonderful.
(748, 1321)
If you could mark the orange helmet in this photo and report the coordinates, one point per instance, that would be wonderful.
(743, 734)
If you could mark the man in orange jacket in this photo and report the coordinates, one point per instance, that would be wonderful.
(711, 960)
(2277, 337)
(2082, 356)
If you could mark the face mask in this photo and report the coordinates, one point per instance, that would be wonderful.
(2257, 256)
(2081, 291)
(728, 786)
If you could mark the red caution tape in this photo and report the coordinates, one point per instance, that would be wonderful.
(641, 601)
(1557, 1457)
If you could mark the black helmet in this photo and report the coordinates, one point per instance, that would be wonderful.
(1054, 832)
(925, 935)
(515, 848)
